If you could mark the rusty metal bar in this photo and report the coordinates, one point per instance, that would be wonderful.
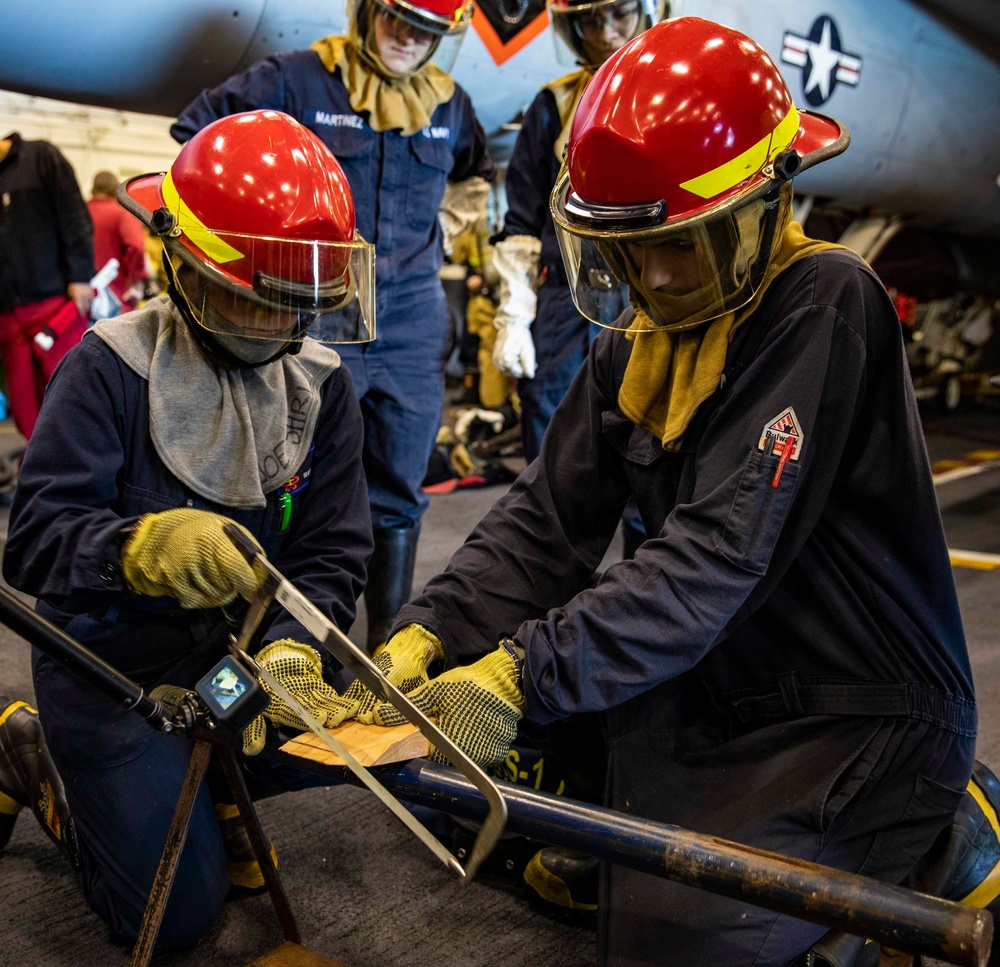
(898, 918)
(159, 894)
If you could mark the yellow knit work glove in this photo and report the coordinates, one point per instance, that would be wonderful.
(300, 669)
(477, 706)
(186, 554)
(404, 660)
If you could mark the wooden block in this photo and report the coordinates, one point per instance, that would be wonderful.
(371, 745)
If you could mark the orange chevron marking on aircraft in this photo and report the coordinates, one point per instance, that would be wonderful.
(499, 50)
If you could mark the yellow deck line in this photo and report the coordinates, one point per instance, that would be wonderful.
(975, 559)
(958, 473)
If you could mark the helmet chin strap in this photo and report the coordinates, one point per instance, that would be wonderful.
(212, 347)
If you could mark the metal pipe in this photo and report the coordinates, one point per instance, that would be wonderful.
(898, 918)
(60, 647)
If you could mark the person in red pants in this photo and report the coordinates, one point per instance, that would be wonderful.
(46, 261)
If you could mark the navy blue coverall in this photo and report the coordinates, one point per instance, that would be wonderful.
(90, 471)
(398, 184)
(783, 661)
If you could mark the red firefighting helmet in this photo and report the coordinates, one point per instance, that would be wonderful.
(581, 24)
(445, 21)
(260, 209)
(685, 140)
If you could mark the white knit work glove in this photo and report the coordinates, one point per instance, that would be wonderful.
(516, 260)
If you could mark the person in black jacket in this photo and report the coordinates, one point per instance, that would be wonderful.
(208, 405)
(782, 663)
(46, 261)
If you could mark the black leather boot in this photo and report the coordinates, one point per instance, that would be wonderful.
(244, 870)
(839, 949)
(390, 579)
(28, 778)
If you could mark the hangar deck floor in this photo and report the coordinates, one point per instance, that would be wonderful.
(363, 890)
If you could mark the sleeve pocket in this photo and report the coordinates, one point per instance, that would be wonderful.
(757, 513)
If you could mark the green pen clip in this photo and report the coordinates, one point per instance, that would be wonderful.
(285, 504)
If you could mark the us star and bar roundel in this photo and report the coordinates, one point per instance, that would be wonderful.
(507, 26)
(823, 60)
(781, 437)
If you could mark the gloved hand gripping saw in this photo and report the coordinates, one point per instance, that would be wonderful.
(274, 587)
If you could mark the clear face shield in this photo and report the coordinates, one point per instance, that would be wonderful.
(299, 290)
(399, 38)
(587, 34)
(681, 274)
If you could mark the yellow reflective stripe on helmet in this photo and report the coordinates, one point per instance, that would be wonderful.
(741, 167)
(989, 889)
(192, 226)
